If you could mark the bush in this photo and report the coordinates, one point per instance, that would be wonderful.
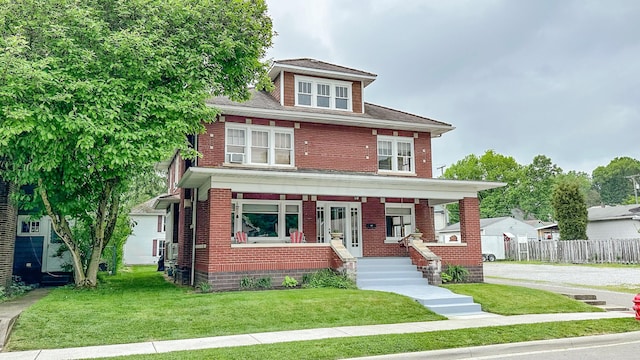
(17, 288)
(248, 283)
(289, 282)
(327, 278)
(455, 273)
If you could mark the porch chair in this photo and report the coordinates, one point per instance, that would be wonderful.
(297, 237)
(241, 237)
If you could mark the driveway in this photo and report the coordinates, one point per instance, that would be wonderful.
(566, 275)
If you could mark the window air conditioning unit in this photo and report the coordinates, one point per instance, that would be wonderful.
(236, 158)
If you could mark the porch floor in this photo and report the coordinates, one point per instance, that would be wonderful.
(398, 275)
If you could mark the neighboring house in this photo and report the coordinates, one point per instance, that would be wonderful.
(495, 232)
(146, 243)
(311, 155)
(548, 231)
(499, 226)
(8, 218)
(613, 222)
(37, 256)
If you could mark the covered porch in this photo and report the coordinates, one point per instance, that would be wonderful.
(343, 216)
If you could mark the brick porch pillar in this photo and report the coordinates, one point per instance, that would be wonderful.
(470, 234)
(219, 241)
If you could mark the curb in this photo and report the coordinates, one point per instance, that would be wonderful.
(6, 324)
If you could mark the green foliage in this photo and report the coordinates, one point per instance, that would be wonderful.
(591, 195)
(92, 92)
(327, 278)
(488, 167)
(610, 180)
(289, 282)
(570, 211)
(17, 288)
(249, 283)
(205, 287)
(535, 188)
(455, 273)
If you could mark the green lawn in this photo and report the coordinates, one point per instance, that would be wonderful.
(141, 306)
(341, 348)
(517, 300)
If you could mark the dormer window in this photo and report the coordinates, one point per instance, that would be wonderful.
(323, 93)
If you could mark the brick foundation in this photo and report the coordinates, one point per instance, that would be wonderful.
(224, 281)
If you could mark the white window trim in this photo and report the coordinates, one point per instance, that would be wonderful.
(282, 231)
(394, 239)
(247, 146)
(394, 153)
(30, 220)
(314, 92)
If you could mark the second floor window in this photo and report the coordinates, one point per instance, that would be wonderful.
(323, 93)
(395, 154)
(259, 145)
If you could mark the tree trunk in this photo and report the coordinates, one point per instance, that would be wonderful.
(101, 232)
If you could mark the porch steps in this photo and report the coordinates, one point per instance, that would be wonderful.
(398, 275)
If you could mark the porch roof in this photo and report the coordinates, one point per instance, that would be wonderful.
(438, 191)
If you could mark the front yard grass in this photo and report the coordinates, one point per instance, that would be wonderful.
(139, 305)
(517, 300)
(341, 348)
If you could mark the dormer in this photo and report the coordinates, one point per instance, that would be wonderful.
(310, 83)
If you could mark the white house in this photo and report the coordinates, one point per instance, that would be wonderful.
(493, 232)
(614, 222)
(146, 244)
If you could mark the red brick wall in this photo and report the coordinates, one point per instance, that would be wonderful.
(289, 89)
(321, 146)
(8, 217)
(309, 220)
(276, 88)
(470, 229)
(373, 212)
(356, 95)
(424, 220)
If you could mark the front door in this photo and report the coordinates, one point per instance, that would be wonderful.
(340, 217)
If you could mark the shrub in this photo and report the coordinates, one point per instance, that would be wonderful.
(327, 278)
(205, 287)
(253, 283)
(289, 282)
(455, 273)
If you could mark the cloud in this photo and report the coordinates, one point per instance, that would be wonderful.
(558, 78)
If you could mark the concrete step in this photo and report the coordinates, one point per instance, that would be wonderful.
(595, 302)
(614, 308)
(399, 276)
(581, 296)
(373, 283)
(455, 309)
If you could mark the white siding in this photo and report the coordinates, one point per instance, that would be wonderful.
(138, 250)
(613, 229)
(513, 226)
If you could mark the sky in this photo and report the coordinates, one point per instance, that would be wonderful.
(521, 77)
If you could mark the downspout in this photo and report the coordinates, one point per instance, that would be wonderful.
(282, 87)
(194, 211)
(193, 234)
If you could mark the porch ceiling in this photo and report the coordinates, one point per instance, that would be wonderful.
(438, 191)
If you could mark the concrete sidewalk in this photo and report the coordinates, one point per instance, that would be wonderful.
(10, 310)
(475, 321)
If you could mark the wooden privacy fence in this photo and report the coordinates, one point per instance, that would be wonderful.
(622, 251)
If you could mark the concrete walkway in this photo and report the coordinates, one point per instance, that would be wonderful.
(156, 347)
(10, 310)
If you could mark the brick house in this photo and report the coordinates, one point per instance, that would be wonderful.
(8, 216)
(312, 156)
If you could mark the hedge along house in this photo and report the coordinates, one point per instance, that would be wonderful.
(312, 156)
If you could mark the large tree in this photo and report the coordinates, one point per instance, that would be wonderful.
(536, 186)
(91, 91)
(611, 181)
(491, 166)
(570, 210)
